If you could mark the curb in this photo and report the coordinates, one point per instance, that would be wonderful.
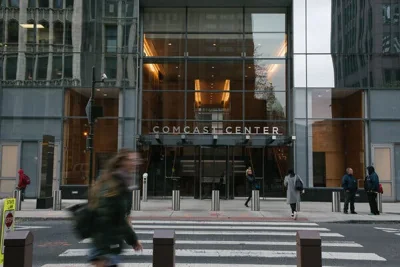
(366, 222)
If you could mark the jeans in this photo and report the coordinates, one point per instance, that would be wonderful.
(22, 193)
(349, 197)
(373, 205)
(112, 260)
(293, 207)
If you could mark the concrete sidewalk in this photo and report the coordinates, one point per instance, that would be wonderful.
(193, 209)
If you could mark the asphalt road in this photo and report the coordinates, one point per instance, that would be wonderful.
(220, 243)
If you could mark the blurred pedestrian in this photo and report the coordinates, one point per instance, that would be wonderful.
(294, 186)
(23, 182)
(111, 207)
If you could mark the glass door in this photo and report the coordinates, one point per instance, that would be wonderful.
(213, 171)
(383, 162)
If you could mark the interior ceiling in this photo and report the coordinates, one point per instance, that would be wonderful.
(216, 3)
(100, 93)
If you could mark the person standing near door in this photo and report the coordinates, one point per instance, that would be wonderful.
(294, 187)
(251, 179)
(371, 186)
(23, 182)
(349, 184)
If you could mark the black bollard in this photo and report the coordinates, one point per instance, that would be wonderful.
(164, 248)
(309, 253)
(18, 249)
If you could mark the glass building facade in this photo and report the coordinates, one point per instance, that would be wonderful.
(204, 91)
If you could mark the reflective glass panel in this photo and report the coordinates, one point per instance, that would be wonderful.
(266, 45)
(164, 19)
(215, 20)
(164, 75)
(215, 45)
(266, 106)
(265, 75)
(259, 20)
(319, 26)
(163, 45)
(158, 105)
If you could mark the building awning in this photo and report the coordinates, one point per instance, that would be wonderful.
(216, 140)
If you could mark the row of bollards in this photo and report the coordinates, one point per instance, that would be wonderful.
(336, 207)
(308, 248)
(57, 199)
(215, 200)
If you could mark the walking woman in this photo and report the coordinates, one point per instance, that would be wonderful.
(111, 207)
(293, 191)
(251, 179)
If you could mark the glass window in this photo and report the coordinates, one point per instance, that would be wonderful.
(43, 3)
(215, 20)
(300, 106)
(266, 127)
(69, 3)
(44, 33)
(58, 37)
(11, 67)
(215, 45)
(42, 63)
(68, 67)
(13, 32)
(259, 20)
(57, 67)
(13, 3)
(1, 31)
(210, 75)
(164, 19)
(111, 8)
(58, 4)
(300, 70)
(164, 75)
(30, 66)
(9, 160)
(319, 12)
(391, 106)
(68, 33)
(265, 75)
(76, 99)
(75, 159)
(111, 38)
(320, 71)
(267, 105)
(336, 145)
(379, 64)
(164, 45)
(159, 105)
(299, 26)
(386, 15)
(335, 103)
(111, 67)
(214, 107)
(266, 45)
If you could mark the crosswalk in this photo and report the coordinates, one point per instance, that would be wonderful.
(230, 243)
(395, 231)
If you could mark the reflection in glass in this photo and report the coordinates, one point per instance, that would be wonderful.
(300, 106)
(335, 103)
(262, 76)
(319, 25)
(212, 75)
(351, 70)
(272, 106)
(215, 20)
(266, 45)
(299, 71)
(320, 71)
(384, 71)
(164, 45)
(215, 107)
(299, 26)
(164, 19)
(259, 20)
(336, 145)
(158, 105)
(215, 45)
(163, 75)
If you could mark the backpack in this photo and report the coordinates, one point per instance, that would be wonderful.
(26, 179)
(298, 184)
(83, 219)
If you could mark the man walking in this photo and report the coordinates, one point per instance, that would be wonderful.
(23, 182)
(349, 184)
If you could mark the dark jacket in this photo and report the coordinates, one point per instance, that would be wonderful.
(372, 180)
(252, 181)
(111, 227)
(349, 182)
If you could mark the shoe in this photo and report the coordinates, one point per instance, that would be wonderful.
(295, 215)
(292, 215)
(246, 205)
(353, 212)
(345, 212)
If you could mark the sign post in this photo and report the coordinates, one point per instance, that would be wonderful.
(7, 207)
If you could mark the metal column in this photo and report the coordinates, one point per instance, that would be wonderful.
(176, 200)
(255, 200)
(379, 202)
(144, 191)
(335, 201)
(215, 200)
(57, 200)
(136, 200)
(17, 196)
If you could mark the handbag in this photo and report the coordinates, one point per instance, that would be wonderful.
(298, 184)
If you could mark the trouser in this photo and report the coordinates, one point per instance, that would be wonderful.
(349, 197)
(249, 198)
(22, 193)
(293, 207)
(373, 205)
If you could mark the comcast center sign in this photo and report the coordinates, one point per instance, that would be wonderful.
(215, 130)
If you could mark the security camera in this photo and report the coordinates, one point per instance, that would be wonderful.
(103, 77)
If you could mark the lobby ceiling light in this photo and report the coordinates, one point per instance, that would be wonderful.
(214, 44)
(31, 26)
(105, 94)
(177, 67)
(212, 75)
(98, 90)
(169, 44)
(212, 67)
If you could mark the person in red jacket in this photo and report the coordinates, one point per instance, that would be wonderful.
(23, 182)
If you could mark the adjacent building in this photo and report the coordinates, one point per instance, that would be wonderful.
(203, 91)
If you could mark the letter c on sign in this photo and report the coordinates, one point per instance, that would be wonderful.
(228, 130)
(155, 129)
(186, 130)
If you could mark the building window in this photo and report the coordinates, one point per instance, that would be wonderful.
(30, 66)
(11, 68)
(58, 4)
(9, 160)
(68, 67)
(111, 67)
(43, 3)
(42, 67)
(58, 33)
(111, 38)
(1, 32)
(13, 31)
(57, 67)
(111, 8)
(68, 33)
(69, 3)
(13, 3)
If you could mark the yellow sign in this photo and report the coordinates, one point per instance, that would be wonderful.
(7, 222)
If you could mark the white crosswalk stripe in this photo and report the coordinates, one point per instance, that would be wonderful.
(224, 243)
(395, 231)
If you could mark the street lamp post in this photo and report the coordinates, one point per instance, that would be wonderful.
(92, 113)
